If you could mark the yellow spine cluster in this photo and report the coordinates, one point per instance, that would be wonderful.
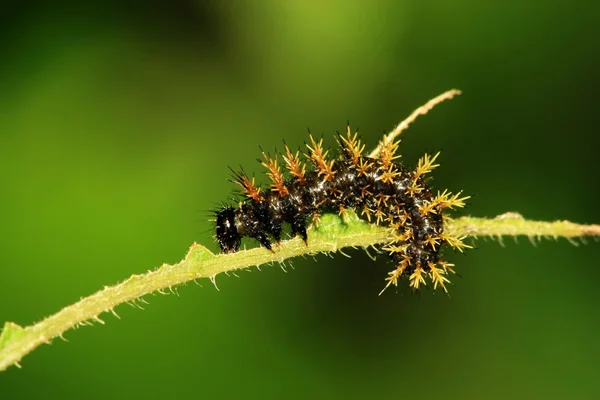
(294, 165)
(401, 223)
(274, 173)
(319, 158)
(353, 145)
(248, 186)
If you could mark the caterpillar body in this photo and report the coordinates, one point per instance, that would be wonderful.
(379, 189)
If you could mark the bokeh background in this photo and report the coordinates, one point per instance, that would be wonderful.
(118, 122)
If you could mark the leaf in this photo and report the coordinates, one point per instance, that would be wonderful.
(199, 254)
(10, 333)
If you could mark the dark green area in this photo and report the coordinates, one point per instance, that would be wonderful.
(117, 124)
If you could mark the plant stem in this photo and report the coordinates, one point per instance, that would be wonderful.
(333, 234)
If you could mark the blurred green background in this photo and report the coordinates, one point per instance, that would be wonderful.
(118, 122)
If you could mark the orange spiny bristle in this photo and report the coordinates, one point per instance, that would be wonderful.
(248, 186)
(367, 212)
(394, 275)
(388, 153)
(456, 242)
(274, 173)
(428, 207)
(394, 248)
(402, 218)
(294, 165)
(433, 241)
(437, 276)
(316, 219)
(417, 278)
(407, 235)
(447, 200)
(413, 188)
(379, 215)
(446, 266)
(381, 198)
(353, 145)
(364, 191)
(389, 175)
(425, 165)
(318, 157)
(344, 213)
(364, 166)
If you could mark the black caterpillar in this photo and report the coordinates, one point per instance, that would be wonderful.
(379, 188)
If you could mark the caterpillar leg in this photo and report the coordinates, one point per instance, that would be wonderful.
(299, 228)
(264, 240)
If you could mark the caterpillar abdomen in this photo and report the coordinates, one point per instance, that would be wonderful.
(380, 190)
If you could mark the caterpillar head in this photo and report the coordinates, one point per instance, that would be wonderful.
(227, 234)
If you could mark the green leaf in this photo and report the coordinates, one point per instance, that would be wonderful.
(199, 254)
(10, 333)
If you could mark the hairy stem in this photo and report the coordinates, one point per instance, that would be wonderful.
(402, 126)
(334, 233)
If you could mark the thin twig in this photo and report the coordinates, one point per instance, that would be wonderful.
(402, 126)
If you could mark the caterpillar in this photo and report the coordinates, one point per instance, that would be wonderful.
(379, 189)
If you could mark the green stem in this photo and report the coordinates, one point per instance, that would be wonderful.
(333, 234)
(513, 224)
